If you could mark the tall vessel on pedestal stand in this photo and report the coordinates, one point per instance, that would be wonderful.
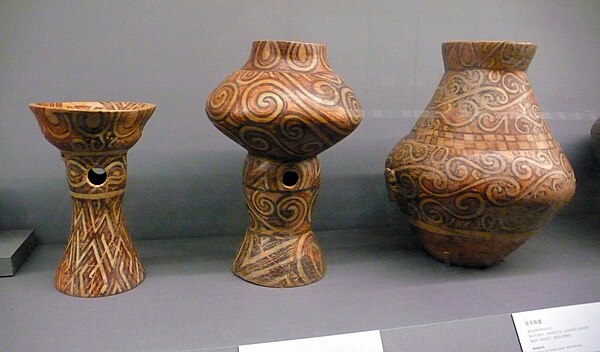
(285, 106)
(93, 138)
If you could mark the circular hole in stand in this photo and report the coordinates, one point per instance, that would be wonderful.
(96, 176)
(290, 178)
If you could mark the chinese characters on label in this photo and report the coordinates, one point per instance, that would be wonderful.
(569, 329)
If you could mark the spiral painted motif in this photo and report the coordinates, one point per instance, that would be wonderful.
(480, 172)
(285, 103)
(100, 259)
(92, 126)
(285, 106)
(464, 187)
(509, 56)
(279, 248)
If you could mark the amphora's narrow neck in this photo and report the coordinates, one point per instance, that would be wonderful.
(288, 56)
(510, 56)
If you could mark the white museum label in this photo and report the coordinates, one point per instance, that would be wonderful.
(366, 341)
(569, 329)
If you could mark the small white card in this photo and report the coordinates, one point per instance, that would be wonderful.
(367, 341)
(565, 329)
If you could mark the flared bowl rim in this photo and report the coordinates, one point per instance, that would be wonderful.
(86, 106)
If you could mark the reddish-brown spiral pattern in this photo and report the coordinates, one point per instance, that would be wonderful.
(284, 106)
(488, 55)
(98, 126)
(279, 249)
(285, 102)
(480, 164)
(222, 101)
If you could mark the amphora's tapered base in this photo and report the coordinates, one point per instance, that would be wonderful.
(468, 248)
(279, 248)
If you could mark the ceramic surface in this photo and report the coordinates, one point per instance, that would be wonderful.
(93, 138)
(285, 106)
(480, 172)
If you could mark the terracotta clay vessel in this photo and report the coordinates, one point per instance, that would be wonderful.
(285, 106)
(93, 138)
(480, 172)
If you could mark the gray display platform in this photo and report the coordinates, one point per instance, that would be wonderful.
(376, 279)
(15, 247)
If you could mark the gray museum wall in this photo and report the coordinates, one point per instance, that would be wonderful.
(185, 176)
